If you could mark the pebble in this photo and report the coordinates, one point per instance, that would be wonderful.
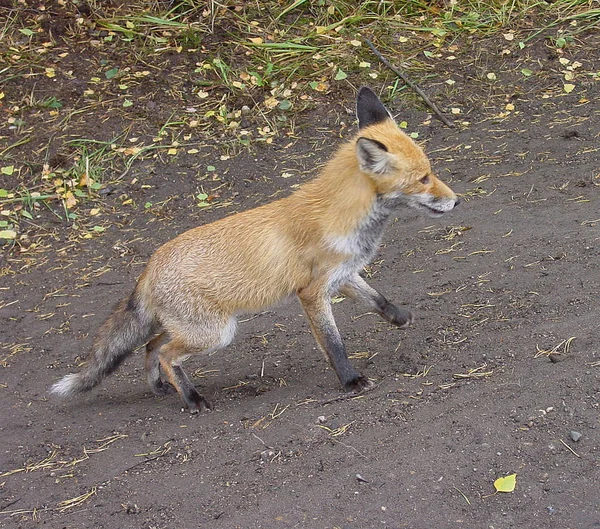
(267, 455)
(575, 435)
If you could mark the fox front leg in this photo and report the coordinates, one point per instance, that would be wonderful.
(357, 287)
(318, 311)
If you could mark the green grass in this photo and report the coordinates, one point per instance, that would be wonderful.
(237, 71)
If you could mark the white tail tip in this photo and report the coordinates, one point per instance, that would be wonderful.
(65, 386)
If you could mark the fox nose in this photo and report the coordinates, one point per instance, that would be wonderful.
(456, 201)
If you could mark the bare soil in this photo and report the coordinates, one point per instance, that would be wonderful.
(498, 373)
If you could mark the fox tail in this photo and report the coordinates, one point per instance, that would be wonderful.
(129, 326)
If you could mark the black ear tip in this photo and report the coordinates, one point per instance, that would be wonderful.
(369, 109)
(365, 91)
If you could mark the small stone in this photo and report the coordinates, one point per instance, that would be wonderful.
(267, 455)
(575, 435)
(131, 508)
(321, 419)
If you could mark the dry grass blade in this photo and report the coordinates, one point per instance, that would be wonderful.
(105, 443)
(53, 463)
(454, 231)
(277, 412)
(205, 373)
(570, 449)
(13, 350)
(454, 248)
(47, 462)
(157, 452)
(75, 502)
(565, 344)
(478, 372)
(463, 495)
(335, 432)
(240, 384)
(419, 374)
(23, 512)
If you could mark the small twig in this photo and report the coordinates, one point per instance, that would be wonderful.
(463, 495)
(569, 448)
(349, 446)
(412, 85)
(28, 198)
(143, 462)
(4, 507)
(265, 444)
(349, 396)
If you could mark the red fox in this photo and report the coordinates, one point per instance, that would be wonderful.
(313, 243)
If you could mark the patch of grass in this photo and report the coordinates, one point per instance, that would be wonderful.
(237, 71)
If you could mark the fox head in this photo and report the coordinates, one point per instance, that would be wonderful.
(398, 167)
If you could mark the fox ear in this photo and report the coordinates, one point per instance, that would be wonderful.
(369, 109)
(373, 156)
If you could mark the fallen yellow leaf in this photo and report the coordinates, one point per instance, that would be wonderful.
(8, 234)
(70, 200)
(271, 102)
(506, 484)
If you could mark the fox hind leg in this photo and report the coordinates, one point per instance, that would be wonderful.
(159, 386)
(204, 339)
(170, 355)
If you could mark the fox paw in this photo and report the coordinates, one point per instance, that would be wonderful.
(160, 388)
(195, 402)
(398, 316)
(358, 385)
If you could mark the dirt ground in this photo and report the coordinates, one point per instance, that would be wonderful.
(499, 374)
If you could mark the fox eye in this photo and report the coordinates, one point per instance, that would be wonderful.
(425, 180)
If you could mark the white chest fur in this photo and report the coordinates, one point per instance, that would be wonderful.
(359, 246)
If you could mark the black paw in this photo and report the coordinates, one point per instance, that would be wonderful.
(160, 388)
(197, 403)
(358, 384)
(398, 316)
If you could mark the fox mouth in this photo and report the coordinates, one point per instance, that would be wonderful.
(433, 212)
(430, 207)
